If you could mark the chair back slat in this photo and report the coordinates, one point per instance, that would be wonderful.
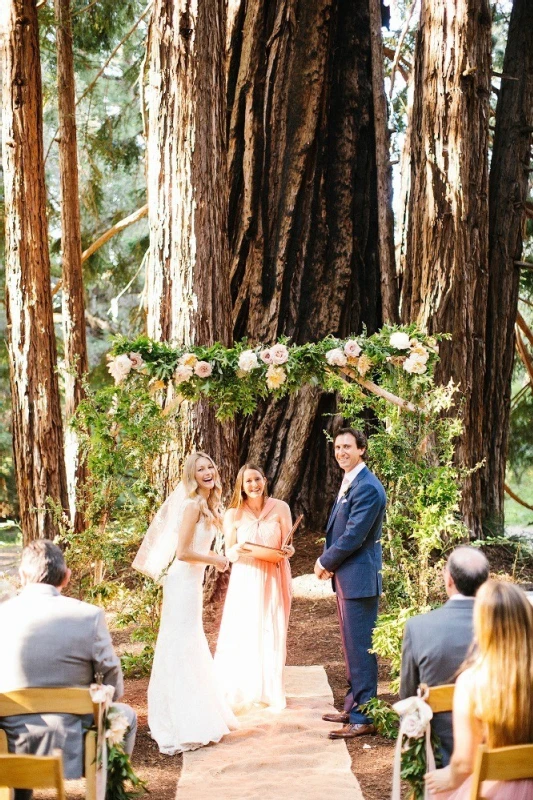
(32, 772)
(501, 764)
(439, 698)
(64, 700)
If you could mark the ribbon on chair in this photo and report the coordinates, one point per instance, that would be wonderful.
(102, 696)
(415, 721)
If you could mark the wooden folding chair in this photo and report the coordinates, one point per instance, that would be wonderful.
(68, 700)
(438, 698)
(31, 772)
(501, 764)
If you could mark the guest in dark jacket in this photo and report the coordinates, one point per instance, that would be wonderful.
(436, 644)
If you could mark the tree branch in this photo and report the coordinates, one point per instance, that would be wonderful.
(396, 59)
(526, 330)
(516, 498)
(372, 387)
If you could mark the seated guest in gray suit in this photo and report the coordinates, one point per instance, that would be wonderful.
(436, 644)
(51, 640)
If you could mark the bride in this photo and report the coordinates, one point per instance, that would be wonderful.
(186, 708)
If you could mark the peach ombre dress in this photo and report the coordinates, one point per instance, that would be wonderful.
(252, 643)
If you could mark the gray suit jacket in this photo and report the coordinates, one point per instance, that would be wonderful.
(434, 647)
(51, 640)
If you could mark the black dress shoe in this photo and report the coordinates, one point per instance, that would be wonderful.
(341, 716)
(353, 730)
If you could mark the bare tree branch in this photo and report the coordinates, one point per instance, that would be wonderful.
(516, 498)
(397, 55)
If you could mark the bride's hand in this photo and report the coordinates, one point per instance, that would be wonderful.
(222, 563)
(289, 550)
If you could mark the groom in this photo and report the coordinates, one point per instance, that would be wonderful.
(352, 558)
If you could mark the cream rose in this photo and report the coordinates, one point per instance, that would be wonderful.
(363, 365)
(117, 726)
(188, 360)
(120, 367)
(336, 357)
(136, 360)
(400, 341)
(415, 364)
(275, 376)
(248, 361)
(183, 373)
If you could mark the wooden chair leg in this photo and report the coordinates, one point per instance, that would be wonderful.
(90, 765)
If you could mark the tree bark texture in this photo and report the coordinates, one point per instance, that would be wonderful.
(73, 300)
(508, 193)
(445, 247)
(37, 425)
(187, 273)
(303, 220)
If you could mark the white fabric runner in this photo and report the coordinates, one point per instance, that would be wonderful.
(280, 756)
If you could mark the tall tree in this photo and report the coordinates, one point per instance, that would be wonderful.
(303, 223)
(508, 192)
(76, 363)
(445, 248)
(187, 272)
(37, 426)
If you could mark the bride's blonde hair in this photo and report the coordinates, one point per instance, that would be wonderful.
(503, 629)
(210, 508)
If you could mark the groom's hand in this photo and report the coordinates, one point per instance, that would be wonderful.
(321, 573)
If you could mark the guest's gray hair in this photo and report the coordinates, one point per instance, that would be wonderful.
(468, 568)
(43, 562)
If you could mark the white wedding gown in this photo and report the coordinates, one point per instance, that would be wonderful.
(186, 707)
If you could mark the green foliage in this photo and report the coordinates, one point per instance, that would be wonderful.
(413, 764)
(383, 716)
(119, 774)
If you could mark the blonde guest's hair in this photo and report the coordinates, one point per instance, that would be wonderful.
(210, 508)
(503, 629)
(239, 495)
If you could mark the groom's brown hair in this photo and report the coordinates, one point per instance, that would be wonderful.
(360, 438)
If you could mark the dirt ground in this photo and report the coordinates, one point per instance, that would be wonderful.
(313, 639)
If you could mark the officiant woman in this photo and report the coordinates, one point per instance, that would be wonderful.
(252, 644)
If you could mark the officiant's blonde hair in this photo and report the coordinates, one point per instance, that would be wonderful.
(239, 495)
(210, 508)
(503, 666)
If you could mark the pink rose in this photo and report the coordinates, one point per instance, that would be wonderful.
(136, 360)
(183, 373)
(203, 369)
(279, 353)
(266, 356)
(352, 348)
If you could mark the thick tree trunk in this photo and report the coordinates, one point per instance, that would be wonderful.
(303, 219)
(187, 275)
(74, 333)
(37, 428)
(445, 252)
(508, 191)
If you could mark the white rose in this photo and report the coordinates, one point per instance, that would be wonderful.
(415, 364)
(120, 367)
(117, 725)
(279, 353)
(352, 348)
(400, 341)
(412, 727)
(336, 357)
(136, 360)
(248, 361)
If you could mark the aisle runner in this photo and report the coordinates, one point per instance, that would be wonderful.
(276, 756)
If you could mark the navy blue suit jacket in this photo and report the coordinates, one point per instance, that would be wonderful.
(353, 538)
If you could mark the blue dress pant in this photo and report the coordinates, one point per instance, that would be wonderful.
(357, 620)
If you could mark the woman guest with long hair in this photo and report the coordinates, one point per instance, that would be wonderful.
(252, 644)
(186, 707)
(493, 699)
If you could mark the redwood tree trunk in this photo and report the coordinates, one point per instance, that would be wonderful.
(303, 224)
(508, 191)
(445, 248)
(37, 428)
(187, 274)
(74, 334)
